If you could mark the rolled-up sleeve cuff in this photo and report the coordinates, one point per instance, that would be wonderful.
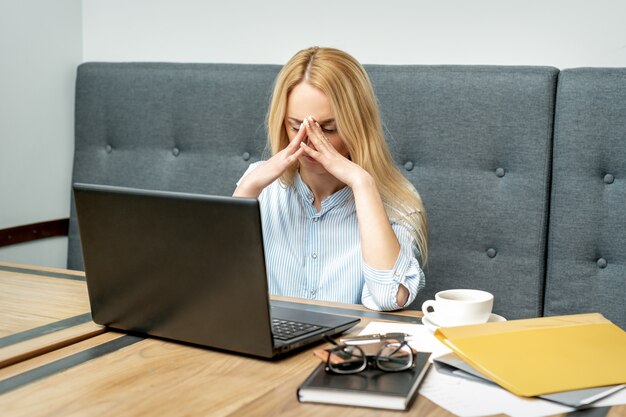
(381, 286)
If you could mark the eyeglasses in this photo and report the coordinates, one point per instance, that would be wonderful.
(393, 356)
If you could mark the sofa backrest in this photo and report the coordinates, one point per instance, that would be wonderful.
(586, 268)
(475, 142)
(176, 127)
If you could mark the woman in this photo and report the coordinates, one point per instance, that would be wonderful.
(340, 222)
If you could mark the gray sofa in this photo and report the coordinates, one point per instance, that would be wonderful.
(522, 169)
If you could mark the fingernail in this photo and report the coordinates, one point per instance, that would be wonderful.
(306, 121)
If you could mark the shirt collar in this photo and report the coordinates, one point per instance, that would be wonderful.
(333, 200)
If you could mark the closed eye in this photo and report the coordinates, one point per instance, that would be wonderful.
(324, 129)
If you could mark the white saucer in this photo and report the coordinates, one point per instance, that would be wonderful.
(430, 324)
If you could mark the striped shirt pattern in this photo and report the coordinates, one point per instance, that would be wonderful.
(317, 255)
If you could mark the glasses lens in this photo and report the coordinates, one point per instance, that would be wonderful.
(347, 360)
(395, 357)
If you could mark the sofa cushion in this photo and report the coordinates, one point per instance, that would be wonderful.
(165, 126)
(476, 143)
(586, 268)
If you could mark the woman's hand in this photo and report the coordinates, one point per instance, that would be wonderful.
(325, 153)
(379, 244)
(265, 174)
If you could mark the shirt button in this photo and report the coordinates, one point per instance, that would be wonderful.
(309, 197)
(314, 255)
(312, 293)
(316, 219)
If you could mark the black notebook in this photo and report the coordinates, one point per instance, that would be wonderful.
(370, 388)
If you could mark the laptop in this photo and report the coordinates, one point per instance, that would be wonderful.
(190, 268)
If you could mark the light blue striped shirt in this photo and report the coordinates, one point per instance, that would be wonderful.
(317, 255)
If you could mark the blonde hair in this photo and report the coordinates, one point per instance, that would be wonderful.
(348, 87)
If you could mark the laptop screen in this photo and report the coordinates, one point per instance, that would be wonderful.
(181, 266)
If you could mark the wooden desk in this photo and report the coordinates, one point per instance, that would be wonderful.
(41, 309)
(116, 374)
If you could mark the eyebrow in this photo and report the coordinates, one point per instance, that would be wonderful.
(293, 119)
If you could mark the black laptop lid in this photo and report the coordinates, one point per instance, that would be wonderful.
(181, 266)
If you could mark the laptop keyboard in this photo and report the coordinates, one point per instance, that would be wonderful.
(286, 329)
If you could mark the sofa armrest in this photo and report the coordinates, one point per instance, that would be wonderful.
(33, 231)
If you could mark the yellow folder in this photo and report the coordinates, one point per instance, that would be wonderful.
(539, 356)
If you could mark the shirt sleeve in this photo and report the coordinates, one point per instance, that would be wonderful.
(381, 286)
(251, 168)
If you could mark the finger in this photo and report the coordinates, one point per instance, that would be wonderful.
(295, 142)
(294, 156)
(294, 145)
(317, 137)
(310, 151)
(311, 133)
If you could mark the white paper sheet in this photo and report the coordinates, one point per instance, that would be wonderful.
(423, 339)
(467, 398)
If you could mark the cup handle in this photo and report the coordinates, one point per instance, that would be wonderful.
(425, 305)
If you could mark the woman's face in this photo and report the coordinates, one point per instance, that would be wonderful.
(306, 100)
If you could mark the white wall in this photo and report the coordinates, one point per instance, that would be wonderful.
(40, 47)
(561, 33)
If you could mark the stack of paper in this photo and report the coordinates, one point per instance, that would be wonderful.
(453, 365)
(544, 355)
(468, 398)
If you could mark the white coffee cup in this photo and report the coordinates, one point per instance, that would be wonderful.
(459, 307)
